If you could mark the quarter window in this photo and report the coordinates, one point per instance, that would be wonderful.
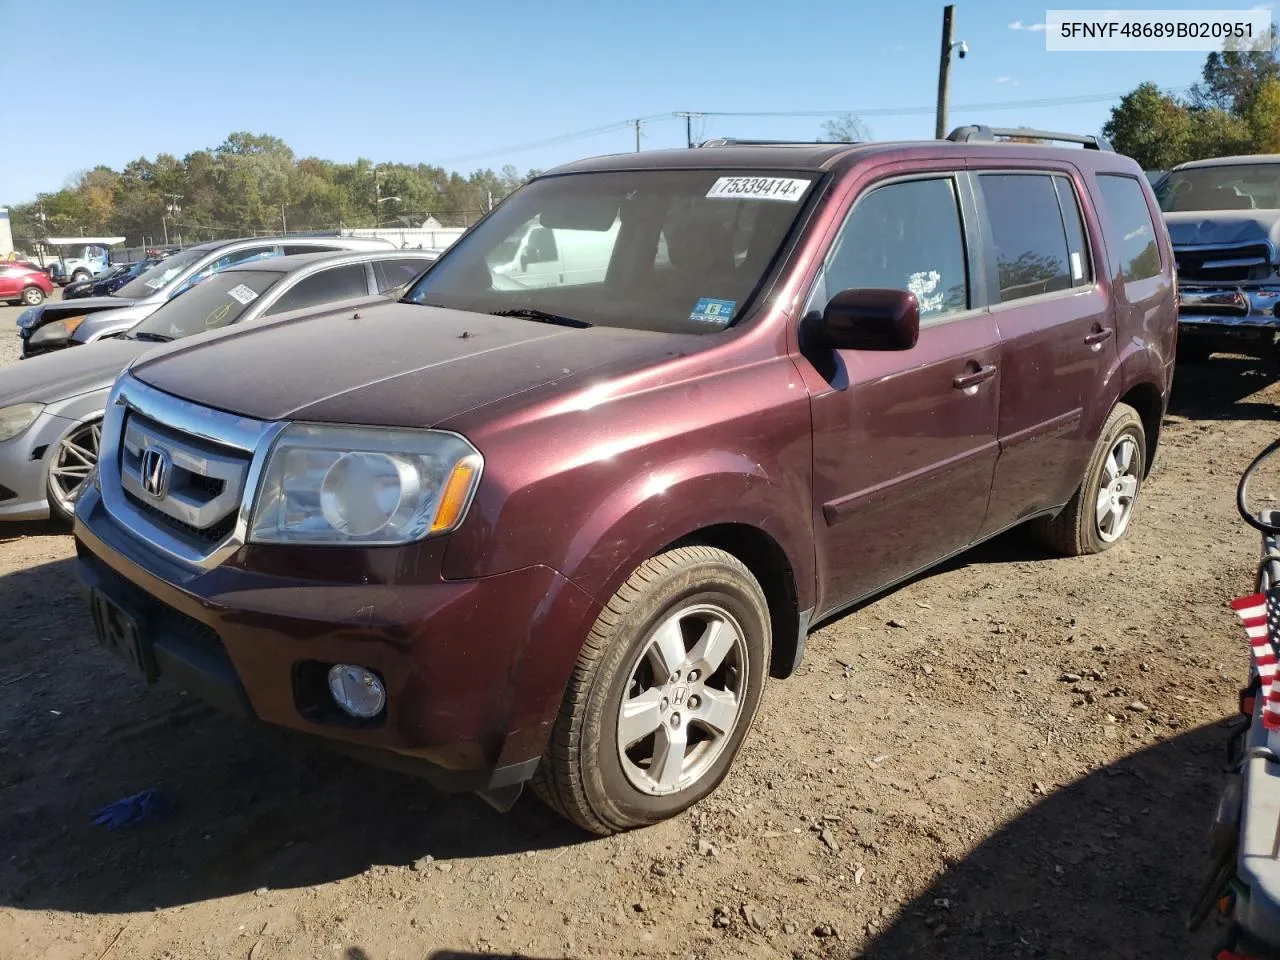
(1027, 229)
(1131, 233)
(904, 236)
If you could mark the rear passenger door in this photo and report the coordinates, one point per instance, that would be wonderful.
(1057, 336)
(904, 441)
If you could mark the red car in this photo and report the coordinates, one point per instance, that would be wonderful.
(21, 284)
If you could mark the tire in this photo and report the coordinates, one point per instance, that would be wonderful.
(68, 462)
(78, 276)
(32, 296)
(687, 596)
(1193, 350)
(1078, 530)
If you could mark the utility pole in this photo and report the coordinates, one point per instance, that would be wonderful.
(944, 71)
(284, 227)
(688, 125)
(638, 124)
(170, 207)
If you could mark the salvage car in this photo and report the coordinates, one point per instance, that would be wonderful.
(108, 283)
(501, 532)
(1223, 217)
(51, 408)
(56, 326)
(20, 283)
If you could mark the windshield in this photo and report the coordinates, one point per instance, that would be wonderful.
(681, 251)
(159, 276)
(1237, 186)
(213, 303)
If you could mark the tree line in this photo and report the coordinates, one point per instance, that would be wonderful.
(253, 183)
(1233, 109)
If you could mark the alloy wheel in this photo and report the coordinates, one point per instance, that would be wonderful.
(73, 461)
(1118, 489)
(683, 700)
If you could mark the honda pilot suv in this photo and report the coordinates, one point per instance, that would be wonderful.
(562, 531)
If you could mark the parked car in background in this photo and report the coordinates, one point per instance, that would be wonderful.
(23, 284)
(110, 282)
(51, 408)
(1223, 216)
(55, 326)
(563, 531)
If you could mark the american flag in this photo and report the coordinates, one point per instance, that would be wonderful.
(1261, 615)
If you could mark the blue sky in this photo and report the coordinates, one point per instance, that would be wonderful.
(459, 84)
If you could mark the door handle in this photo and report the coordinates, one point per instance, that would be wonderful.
(1098, 336)
(967, 380)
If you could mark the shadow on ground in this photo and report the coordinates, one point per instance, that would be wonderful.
(1219, 388)
(1103, 867)
(251, 806)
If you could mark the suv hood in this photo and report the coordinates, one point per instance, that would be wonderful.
(67, 373)
(1196, 227)
(394, 364)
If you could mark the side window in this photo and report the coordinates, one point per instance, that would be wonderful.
(1030, 240)
(1077, 246)
(904, 236)
(1131, 234)
(340, 283)
(393, 273)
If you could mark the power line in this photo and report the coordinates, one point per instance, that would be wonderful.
(924, 110)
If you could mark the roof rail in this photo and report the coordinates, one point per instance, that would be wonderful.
(980, 132)
(735, 142)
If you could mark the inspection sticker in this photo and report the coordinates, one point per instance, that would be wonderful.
(786, 189)
(718, 312)
(242, 294)
(155, 284)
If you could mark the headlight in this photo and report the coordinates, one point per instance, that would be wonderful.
(363, 485)
(29, 316)
(15, 419)
(58, 330)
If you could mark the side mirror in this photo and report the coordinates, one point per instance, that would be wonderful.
(867, 320)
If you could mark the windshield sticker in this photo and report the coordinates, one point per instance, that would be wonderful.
(1077, 267)
(156, 283)
(708, 310)
(925, 286)
(242, 294)
(786, 189)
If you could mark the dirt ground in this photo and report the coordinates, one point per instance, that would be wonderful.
(1015, 756)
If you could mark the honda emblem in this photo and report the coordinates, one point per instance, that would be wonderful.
(156, 467)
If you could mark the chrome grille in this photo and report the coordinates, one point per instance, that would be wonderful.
(1233, 264)
(180, 476)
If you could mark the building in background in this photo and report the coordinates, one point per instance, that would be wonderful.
(6, 233)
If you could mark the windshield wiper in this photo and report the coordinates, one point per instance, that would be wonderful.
(147, 337)
(541, 316)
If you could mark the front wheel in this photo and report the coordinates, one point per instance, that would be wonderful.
(1098, 516)
(72, 461)
(663, 693)
(78, 276)
(33, 296)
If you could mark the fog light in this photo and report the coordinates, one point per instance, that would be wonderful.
(357, 690)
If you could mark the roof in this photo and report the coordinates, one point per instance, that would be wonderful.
(299, 261)
(821, 157)
(1230, 161)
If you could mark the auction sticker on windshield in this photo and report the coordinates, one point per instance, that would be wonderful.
(156, 283)
(708, 310)
(786, 189)
(242, 294)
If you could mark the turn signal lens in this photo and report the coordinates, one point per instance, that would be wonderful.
(457, 494)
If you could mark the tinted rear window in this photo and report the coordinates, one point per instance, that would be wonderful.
(1029, 237)
(1131, 233)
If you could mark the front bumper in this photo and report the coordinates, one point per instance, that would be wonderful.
(1231, 310)
(24, 468)
(474, 669)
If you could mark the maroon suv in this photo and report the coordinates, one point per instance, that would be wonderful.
(557, 514)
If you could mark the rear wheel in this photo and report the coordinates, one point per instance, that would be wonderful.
(32, 296)
(663, 693)
(79, 275)
(69, 467)
(1099, 514)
